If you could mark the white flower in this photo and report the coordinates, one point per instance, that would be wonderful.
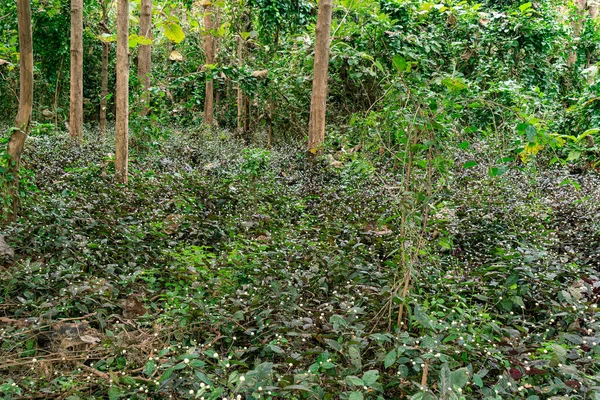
(242, 378)
(186, 360)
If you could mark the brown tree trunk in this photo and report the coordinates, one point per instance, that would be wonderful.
(104, 89)
(122, 123)
(240, 92)
(209, 49)
(144, 56)
(104, 73)
(76, 111)
(318, 104)
(23, 118)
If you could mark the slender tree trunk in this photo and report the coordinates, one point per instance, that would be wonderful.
(318, 104)
(23, 118)
(144, 56)
(209, 49)
(76, 114)
(122, 125)
(104, 73)
(240, 92)
(104, 89)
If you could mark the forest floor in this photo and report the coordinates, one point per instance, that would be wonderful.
(222, 271)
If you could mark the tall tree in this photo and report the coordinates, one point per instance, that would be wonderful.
(144, 55)
(240, 93)
(76, 114)
(104, 73)
(122, 123)
(23, 119)
(318, 104)
(209, 49)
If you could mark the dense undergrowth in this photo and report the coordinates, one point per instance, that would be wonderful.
(223, 271)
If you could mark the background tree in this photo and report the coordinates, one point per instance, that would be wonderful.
(17, 138)
(122, 123)
(145, 53)
(209, 49)
(104, 72)
(316, 127)
(76, 107)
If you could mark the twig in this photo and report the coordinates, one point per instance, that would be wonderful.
(424, 377)
(93, 370)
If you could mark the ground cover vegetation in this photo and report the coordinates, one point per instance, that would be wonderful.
(299, 200)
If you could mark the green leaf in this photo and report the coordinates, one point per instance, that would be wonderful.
(297, 387)
(355, 396)
(238, 315)
(422, 318)
(355, 358)
(327, 365)
(469, 164)
(370, 377)
(114, 393)
(333, 344)
(173, 32)
(445, 379)
(390, 359)
(166, 375)
(560, 352)
(477, 380)
(573, 155)
(355, 380)
(525, 7)
(497, 171)
(589, 132)
(400, 63)
(137, 40)
(150, 367)
(463, 145)
(460, 377)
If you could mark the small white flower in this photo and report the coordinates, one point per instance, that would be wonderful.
(186, 360)
(242, 378)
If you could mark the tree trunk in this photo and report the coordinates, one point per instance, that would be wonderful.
(76, 112)
(122, 123)
(144, 55)
(209, 49)
(104, 73)
(318, 104)
(104, 89)
(18, 136)
(240, 93)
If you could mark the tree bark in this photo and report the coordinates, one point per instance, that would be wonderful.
(240, 92)
(318, 104)
(23, 118)
(209, 49)
(104, 73)
(145, 53)
(104, 89)
(122, 123)
(76, 109)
